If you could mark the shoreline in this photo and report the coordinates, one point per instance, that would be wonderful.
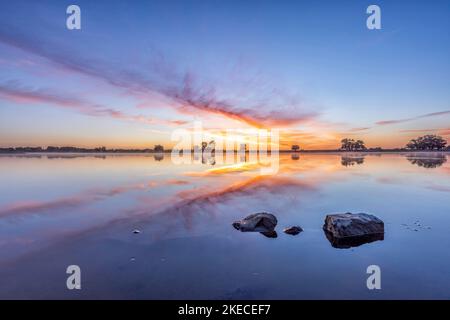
(235, 152)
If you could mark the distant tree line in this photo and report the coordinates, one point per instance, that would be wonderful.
(352, 145)
(49, 149)
(158, 148)
(423, 143)
(428, 142)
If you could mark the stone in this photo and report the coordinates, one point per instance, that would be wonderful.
(352, 225)
(257, 222)
(294, 230)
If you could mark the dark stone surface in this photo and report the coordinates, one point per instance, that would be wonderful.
(294, 230)
(351, 225)
(346, 230)
(257, 222)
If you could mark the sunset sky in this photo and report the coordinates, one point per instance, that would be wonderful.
(137, 70)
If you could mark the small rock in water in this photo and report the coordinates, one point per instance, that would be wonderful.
(133, 259)
(294, 230)
(136, 231)
(257, 222)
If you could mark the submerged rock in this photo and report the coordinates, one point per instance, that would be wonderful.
(346, 230)
(350, 242)
(293, 230)
(270, 234)
(257, 222)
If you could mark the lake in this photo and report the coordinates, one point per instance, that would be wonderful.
(58, 210)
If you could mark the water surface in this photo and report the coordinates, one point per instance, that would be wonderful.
(59, 210)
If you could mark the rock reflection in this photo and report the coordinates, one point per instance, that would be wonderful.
(270, 234)
(350, 242)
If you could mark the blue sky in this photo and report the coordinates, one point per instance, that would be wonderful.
(138, 69)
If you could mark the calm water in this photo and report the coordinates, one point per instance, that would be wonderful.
(57, 211)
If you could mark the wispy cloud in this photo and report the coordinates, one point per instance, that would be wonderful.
(427, 115)
(190, 95)
(359, 129)
(355, 131)
(441, 131)
(437, 187)
(187, 95)
(14, 91)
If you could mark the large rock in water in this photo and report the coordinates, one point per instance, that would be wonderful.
(352, 225)
(257, 222)
(345, 230)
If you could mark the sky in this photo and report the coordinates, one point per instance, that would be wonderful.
(138, 70)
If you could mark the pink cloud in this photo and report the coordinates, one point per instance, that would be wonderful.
(359, 129)
(15, 92)
(427, 115)
(178, 87)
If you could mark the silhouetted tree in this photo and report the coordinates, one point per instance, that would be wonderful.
(158, 148)
(295, 147)
(204, 145)
(359, 145)
(100, 149)
(352, 145)
(427, 142)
